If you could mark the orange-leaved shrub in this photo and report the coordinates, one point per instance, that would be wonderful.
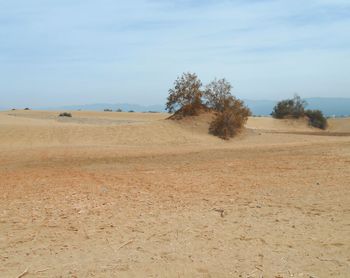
(231, 119)
(185, 99)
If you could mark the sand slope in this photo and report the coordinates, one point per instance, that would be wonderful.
(41, 128)
(134, 195)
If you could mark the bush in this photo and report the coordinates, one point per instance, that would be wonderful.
(65, 114)
(119, 110)
(316, 118)
(216, 92)
(186, 99)
(231, 119)
(131, 111)
(26, 108)
(107, 110)
(191, 109)
(186, 96)
(294, 108)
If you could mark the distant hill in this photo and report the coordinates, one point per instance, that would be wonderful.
(114, 107)
(329, 106)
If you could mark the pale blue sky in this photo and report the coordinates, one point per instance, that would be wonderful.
(84, 51)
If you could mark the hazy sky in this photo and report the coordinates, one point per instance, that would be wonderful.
(87, 51)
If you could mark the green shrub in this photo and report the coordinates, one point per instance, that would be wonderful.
(316, 118)
(289, 108)
(65, 114)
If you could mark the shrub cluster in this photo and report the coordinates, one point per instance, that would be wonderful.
(289, 108)
(295, 108)
(188, 98)
(65, 114)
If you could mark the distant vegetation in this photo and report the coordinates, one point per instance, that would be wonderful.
(316, 118)
(289, 108)
(108, 110)
(295, 108)
(65, 114)
(26, 108)
(189, 98)
(119, 110)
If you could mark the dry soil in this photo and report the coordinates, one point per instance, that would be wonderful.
(135, 195)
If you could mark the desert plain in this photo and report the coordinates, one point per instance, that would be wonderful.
(107, 194)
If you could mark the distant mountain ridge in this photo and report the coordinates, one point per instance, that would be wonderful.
(102, 106)
(329, 106)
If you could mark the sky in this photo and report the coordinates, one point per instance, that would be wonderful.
(109, 51)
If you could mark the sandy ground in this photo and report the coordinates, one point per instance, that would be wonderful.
(134, 195)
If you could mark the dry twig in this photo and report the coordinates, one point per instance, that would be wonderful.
(126, 243)
(221, 212)
(23, 273)
(42, 270)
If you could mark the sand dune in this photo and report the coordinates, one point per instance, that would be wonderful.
(339, 125)
(133, 194)
(41, 128)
